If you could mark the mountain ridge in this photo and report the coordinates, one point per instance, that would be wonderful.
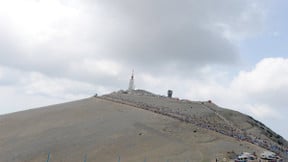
(254, 134)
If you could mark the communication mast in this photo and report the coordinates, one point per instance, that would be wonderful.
(131, 82)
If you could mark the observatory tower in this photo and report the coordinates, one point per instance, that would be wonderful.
(131, 82)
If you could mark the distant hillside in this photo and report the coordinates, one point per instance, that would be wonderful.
(118, 125)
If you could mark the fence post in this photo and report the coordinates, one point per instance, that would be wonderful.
(48, 158)
(85, 157)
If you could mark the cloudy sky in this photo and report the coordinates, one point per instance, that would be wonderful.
(233, 52)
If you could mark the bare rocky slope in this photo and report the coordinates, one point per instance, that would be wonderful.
(118, 125)
(206, 115)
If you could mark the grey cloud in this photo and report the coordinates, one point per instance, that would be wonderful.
(159, 33)
(188, 46)
(145, 35)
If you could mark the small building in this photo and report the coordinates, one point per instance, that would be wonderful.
(170, 93)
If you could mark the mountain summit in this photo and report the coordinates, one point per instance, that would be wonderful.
(132, 126)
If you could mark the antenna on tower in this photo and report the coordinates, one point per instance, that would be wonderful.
(131, 82)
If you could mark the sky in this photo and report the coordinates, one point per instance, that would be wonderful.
(231, 52)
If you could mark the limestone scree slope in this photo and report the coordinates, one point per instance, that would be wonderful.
(132, 126)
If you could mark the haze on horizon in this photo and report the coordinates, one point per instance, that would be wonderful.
(230, 52)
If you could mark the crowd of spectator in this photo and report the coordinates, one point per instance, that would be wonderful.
(197, 113)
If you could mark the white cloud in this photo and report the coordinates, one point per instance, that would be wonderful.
(36, 83)
(14, 99)
(263, 111)
(21, 90)
(270, 74)
(96, 67)
(33, 21)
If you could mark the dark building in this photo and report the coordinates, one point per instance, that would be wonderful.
(169, 93)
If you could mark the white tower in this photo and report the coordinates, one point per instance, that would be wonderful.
(131, 82)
